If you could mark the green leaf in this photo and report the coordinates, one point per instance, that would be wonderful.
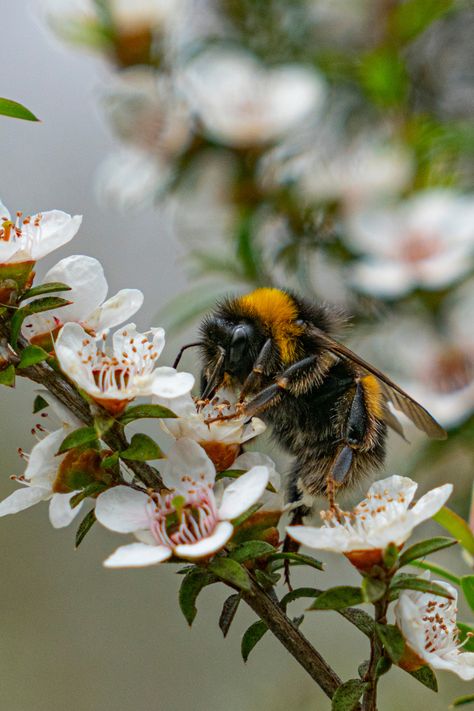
(298, 559)
(230, 474)
(467, 584)
(457, 527)
(251, 550)
(39, 404)
(95, 487)
(111, 461)
(141, 449)
(346, 697)
(251, 637)
(373, 589)
(246, 515)
(338, 598)
(7, 376)
(420, 585)
(84, 527)
(78, 438)
(138, 412)
(412, 17)
(46, 304)
(49, 288)
(426, 676)
(230, 572)
(32, 355)
(437, 570)
(392, 640)
(383, 76)
(228, 612)
(424, 548)
(194, 581)
(102, 423)
(359, 619)
(463, 701)
(383, 666)
(297, 594)
(466, 636)
(13, 109)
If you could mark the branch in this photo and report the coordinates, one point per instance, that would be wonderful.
(289, 635)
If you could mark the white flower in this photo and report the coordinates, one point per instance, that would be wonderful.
(128, 371)
(27, 239)
(241, 103)
(88, 293)
(188, 522)
(41, 479)
(428, 623)
(383, 517)
(222, 439)
(426, 242)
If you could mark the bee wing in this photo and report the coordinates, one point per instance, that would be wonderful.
(391, 391)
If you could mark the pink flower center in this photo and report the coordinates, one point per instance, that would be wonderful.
(451, 371)
(179, 521)
(419, 246)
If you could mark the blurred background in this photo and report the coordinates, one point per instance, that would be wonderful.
(320, 145)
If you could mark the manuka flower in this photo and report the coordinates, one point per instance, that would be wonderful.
(428, 624)
(425, 242)
(24, 240)
(89, 307)
(222, 439)
(243, 104)
(49, 477)
(187, 521)
(384, 516)
(115, 378)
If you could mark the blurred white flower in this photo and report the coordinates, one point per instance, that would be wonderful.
(426, 242)
(187, 522)
(337, 22)
(27, 239)
(428, 624)
(42, 479)
(89, 306)
(222, 439)
(384, 516)
(114, 379)
(241, 103)
(154, 125)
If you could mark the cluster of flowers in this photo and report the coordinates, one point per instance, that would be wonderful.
(209, 482)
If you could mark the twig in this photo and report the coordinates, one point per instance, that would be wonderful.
(369, 701)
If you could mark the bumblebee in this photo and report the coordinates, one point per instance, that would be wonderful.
(326, 406)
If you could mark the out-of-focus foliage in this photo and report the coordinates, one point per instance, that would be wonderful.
(317, 145)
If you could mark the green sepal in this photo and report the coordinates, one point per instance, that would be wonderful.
(193, 582)
(32, 355)
(92, 489)
(84, 527)
(247, 514)
(39, 404)
(231, 572)
(102, 423)
(426, 676)
(138, 412)
(390, 556)
(227, 615)
(347, 695)
(49, 288)
(251, 550)
(392, 640)
(338, 598)
(142, 448)
(78, 438)
(7, 376)
(424, 548)
(251, 637)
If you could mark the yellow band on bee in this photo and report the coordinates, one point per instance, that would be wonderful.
(372, 395)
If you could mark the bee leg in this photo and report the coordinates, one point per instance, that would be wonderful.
(258, 368)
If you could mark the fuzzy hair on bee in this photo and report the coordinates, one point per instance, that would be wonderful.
(326, 406)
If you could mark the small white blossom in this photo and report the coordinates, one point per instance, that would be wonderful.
(188, 522)
(242, 104)
(428, 624)
(384, 516)
(27, 239)
(88, 292)
(115, 378)
(41, 475)
(425, 242)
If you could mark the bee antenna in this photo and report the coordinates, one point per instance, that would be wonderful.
(189, 345)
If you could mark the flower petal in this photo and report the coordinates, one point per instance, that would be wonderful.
(115, 310)
(43, 463)
(56, 228)
(85, 276)
(69, 344)
(430, 503)
(123, 509)
(22, 499)
(336, 540)
(206, 546)
(168, 383)
(137, 555)
(243, 492)
(186, 464)
(60, 512)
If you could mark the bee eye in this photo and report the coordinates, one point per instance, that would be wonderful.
(238, 346)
